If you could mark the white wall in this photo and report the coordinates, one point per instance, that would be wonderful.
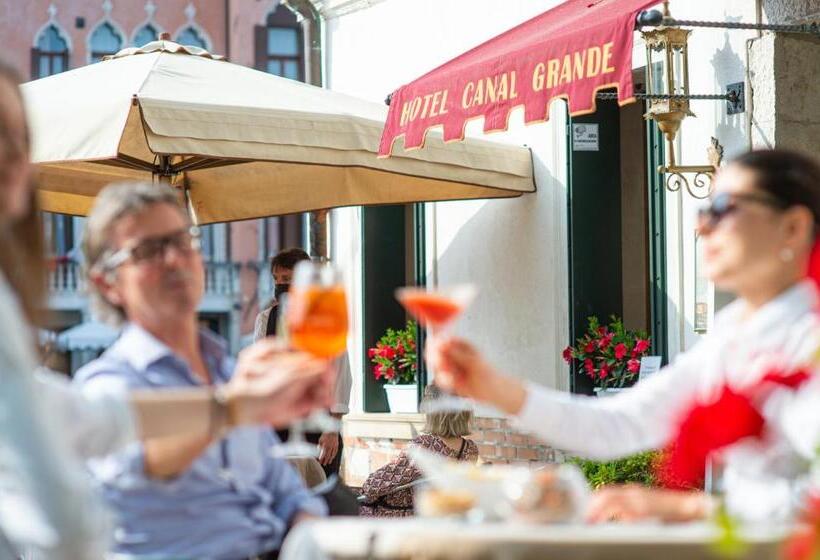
(717, 57)
(515, 250)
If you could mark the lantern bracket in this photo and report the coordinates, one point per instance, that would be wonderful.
(701, 185)
(655, 18)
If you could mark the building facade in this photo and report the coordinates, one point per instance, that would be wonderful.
(604, 233)
(44, 37)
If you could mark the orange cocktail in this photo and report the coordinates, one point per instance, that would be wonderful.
(436, 309)
(317, 320)
(430, 308)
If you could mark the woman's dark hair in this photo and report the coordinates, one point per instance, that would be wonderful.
(22, 259)
(790, 177)
(288, 258)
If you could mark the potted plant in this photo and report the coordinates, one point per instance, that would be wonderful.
(609, 354)
(395, 361)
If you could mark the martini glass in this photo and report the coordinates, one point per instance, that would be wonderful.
(314, 320)
(437, 310)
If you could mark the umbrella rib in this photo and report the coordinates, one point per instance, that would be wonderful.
(194, 163)
(129, 162)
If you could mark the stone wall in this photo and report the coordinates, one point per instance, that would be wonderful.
(784, 96)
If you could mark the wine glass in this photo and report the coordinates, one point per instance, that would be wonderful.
(437, 310)
(313, 320)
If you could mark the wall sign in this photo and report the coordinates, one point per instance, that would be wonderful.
(585, 137)
(650, 365)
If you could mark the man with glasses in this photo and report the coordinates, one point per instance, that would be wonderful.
(191, 497)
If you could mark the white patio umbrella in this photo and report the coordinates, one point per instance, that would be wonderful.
(237, 142)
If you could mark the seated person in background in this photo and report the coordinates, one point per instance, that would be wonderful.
(195, 496)
(267, 321)
(444, 434)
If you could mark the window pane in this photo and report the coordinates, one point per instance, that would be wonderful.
(51, 41)
(291, 69)
(145, 35)
(283, 41)
(105, 40)
(274, 67)
(56, 64)
(42, 66)
(190, 36)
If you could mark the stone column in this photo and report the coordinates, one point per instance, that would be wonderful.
(784, 72)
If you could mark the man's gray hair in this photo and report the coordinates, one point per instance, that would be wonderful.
(113, 203)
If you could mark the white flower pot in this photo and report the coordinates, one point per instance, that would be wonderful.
(402, 398)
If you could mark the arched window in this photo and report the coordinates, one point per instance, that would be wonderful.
(105, 40)
(190, 36)
(146, 34)
(50, 55)
(280, 45)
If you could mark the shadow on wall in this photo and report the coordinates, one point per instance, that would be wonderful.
(515, 250)
(729, 68)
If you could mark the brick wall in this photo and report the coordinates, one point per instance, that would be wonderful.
(497, 443)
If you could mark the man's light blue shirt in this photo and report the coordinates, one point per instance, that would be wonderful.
(234, 501)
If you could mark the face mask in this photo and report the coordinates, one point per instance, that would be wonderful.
(280, 289)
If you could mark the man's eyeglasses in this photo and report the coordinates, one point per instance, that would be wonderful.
(723, 204)
(154, 248)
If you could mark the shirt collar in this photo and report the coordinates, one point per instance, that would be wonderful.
(791, 304)
(142, 349)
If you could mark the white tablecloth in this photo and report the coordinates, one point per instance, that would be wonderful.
(349, 538)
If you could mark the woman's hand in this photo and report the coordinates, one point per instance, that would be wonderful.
(461, 369)
(630, 503)
(275, 386)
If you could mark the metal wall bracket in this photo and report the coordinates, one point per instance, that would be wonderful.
(736, 98)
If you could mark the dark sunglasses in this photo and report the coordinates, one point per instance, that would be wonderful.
(153, 248)
(723, 204)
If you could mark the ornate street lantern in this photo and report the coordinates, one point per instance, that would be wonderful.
(667, 79)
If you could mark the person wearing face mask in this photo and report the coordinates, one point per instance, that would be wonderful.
(47, 506)
(760, 232)
(266, 324)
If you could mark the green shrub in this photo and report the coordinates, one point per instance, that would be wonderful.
(639, 469)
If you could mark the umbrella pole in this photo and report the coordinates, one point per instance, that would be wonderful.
(190, 206)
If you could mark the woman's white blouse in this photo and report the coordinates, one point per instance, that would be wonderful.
(760, 480)
(46, 429)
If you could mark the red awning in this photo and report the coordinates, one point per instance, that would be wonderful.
(571, 51)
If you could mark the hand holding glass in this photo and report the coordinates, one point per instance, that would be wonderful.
(314, 321)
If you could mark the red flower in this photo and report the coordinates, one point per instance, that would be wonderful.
(633, 366)
(590, 347)
(589, 367)
(604, 342)
(620, 351)
(707, 428)
(601, 330)
(390, 374)
(371, 353)
(641, 345)
(400, 349)
(411, 344)
(604, 371)
(567, 354)
(388, 352)
(377, 371)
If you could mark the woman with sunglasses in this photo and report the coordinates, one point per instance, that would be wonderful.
(47, 428)
(758, 235)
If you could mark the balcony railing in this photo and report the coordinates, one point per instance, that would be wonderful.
(66, 277)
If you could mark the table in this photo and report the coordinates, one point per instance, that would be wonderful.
(426, 539)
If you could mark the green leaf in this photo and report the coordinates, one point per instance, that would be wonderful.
(729, 544)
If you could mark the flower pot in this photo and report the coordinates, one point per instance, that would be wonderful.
(607, 392)
(402, 398)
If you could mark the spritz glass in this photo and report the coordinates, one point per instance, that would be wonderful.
(437, 310)
(314, 317)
